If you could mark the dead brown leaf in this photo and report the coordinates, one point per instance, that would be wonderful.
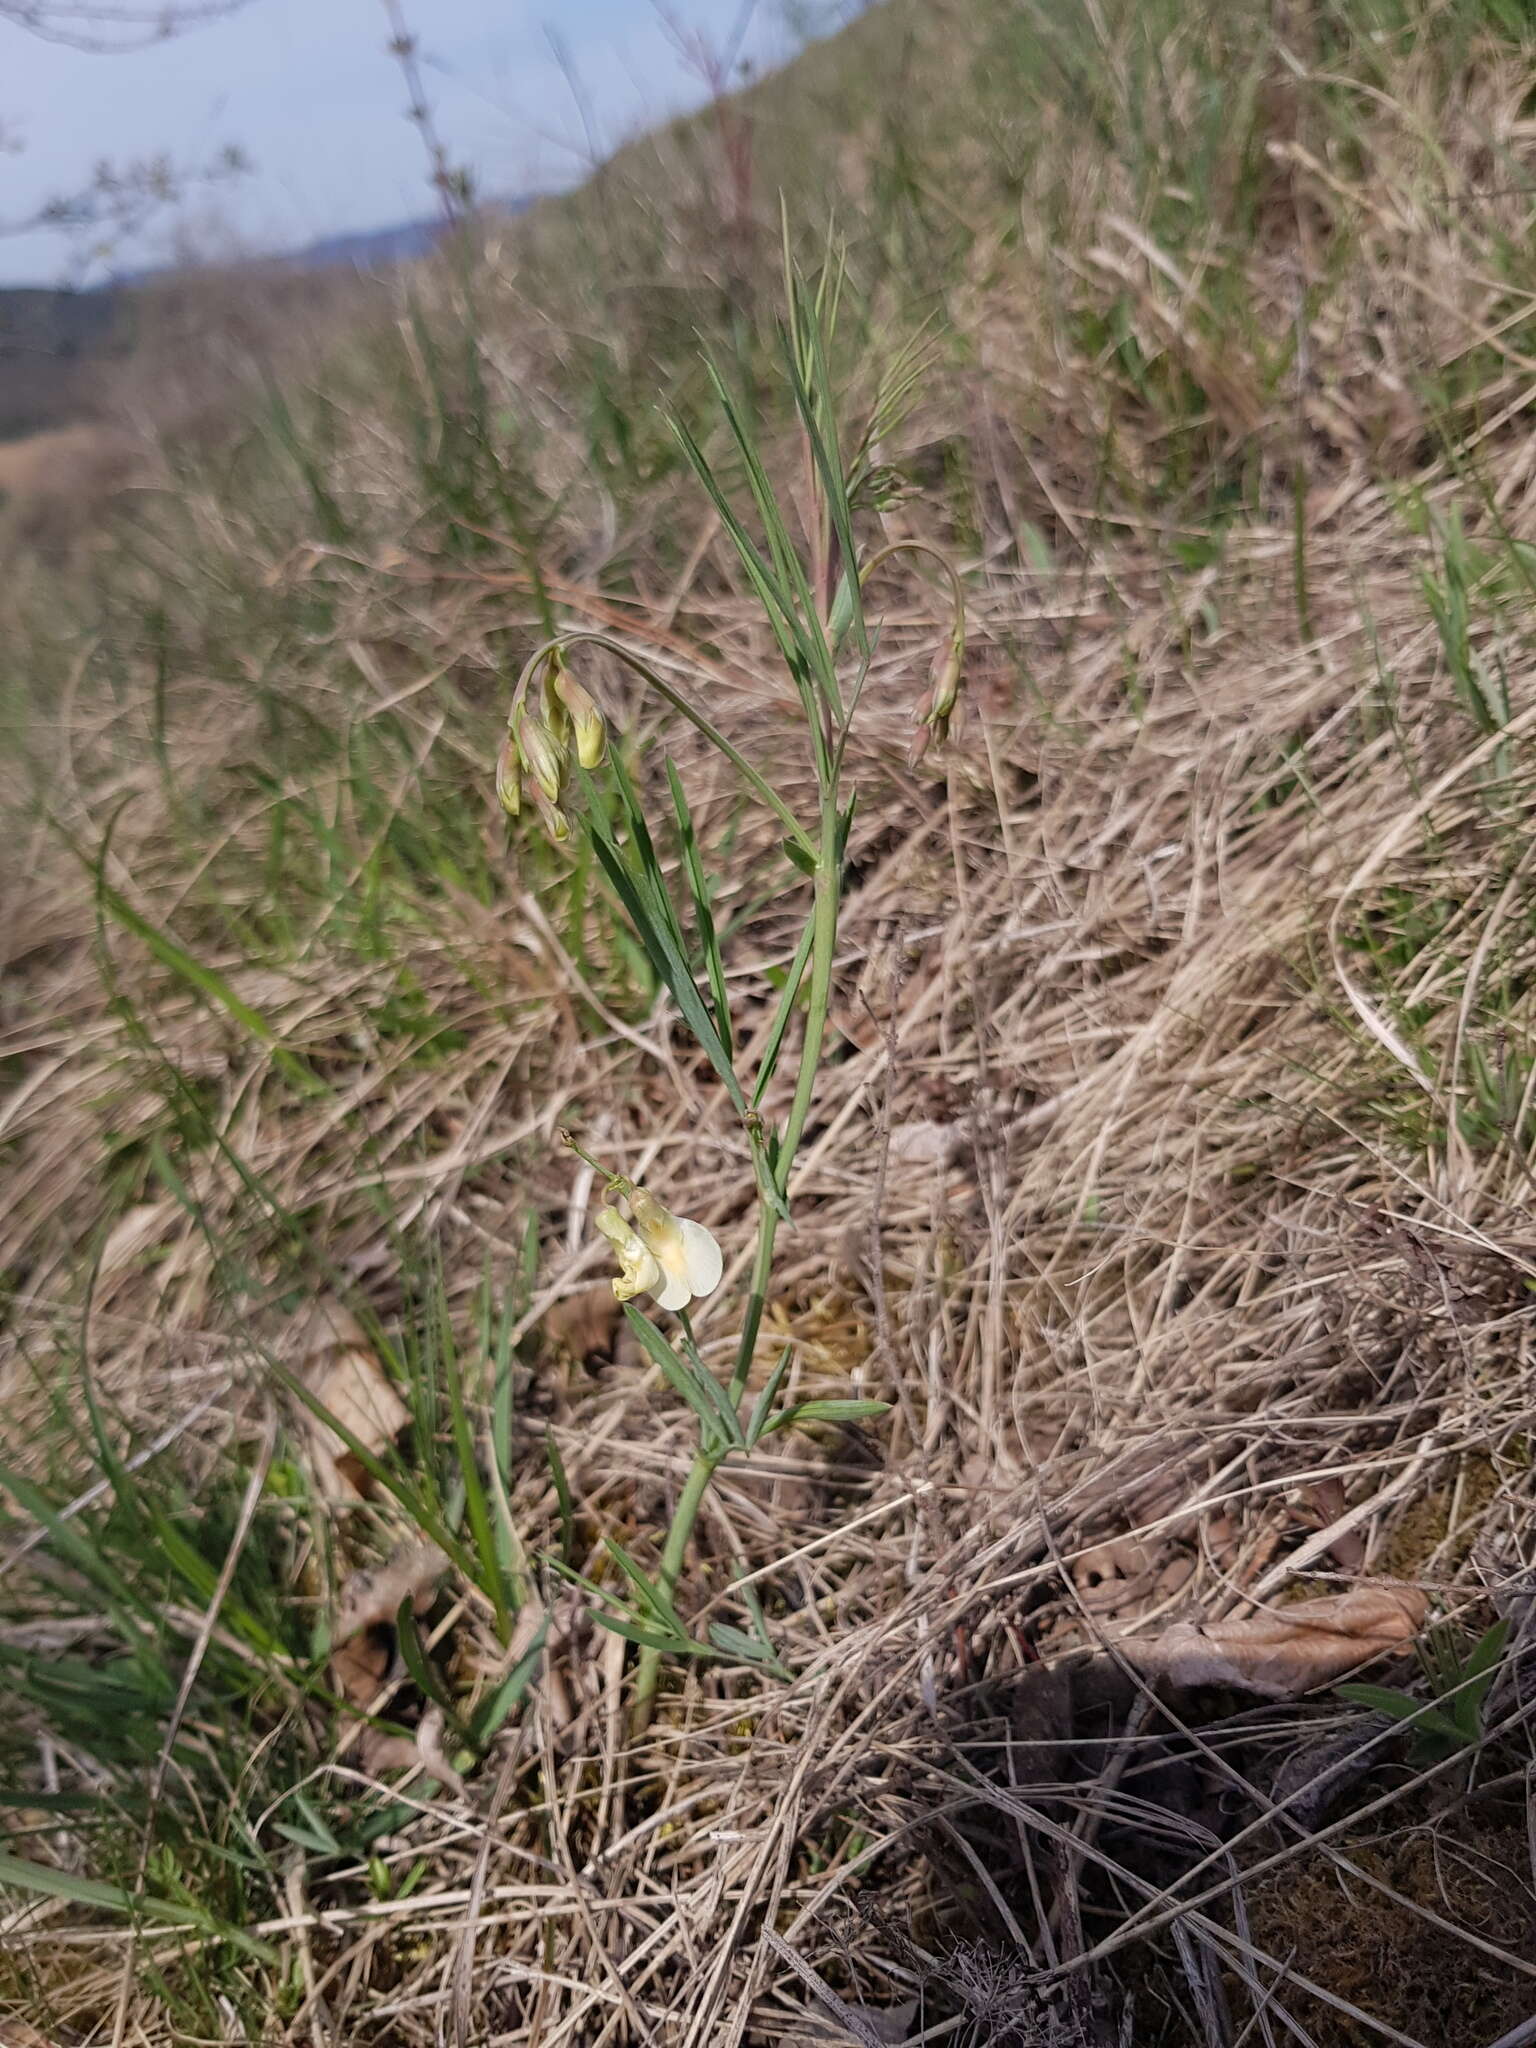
(1116, 1577)
(363, 1646)
(343, 1372)
(584, 1324)
(1286, 1650)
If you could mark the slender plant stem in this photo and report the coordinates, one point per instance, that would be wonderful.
(757, 1297)
(706, 1463)
(695, 1486)
(823, 950)
(689, 1501)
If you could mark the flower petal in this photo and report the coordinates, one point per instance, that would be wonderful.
(642, 1277)
(639, 1272)
(687, 1254)
(673, 1290)
(702, 1260)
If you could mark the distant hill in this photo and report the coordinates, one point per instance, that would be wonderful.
(399, 241)
(47, 340)
(52, 340)
(370, 248)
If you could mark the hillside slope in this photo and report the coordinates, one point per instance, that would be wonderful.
(1163, 1161)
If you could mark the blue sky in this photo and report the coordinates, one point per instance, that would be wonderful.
(307, 90)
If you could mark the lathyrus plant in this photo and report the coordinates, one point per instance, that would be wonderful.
(556, 746)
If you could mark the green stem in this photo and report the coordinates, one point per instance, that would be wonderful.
(823, 951)
(689, 1501)
(705, 1464)
(922, 547)
(823, 948)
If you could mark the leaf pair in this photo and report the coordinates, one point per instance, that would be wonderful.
(719, 1425)
(764, 1422)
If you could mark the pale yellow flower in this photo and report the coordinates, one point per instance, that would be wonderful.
(684, 1252)
(639, 1272)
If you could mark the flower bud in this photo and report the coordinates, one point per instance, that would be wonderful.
(586, 719)
(938, 704)
(556, 823)
(509, 781)
(542, 755)
(556, 717)
(946, 680)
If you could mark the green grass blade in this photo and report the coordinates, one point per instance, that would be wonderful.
(426, 1518)
(21, 1874)
(488, 1718)
(477, 1506)
(563, 1500)
(210, 984)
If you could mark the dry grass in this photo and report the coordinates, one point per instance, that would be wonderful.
(1171, 1172)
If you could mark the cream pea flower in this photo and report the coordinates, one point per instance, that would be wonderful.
(671, 1258)
(686, 1254)
(639, 1272)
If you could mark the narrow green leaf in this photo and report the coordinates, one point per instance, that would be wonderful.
(209, 983)
(486, 1721)
(647, 1638)
(1398, 1706)
(314, 1833)
(817, 404)
(827, 1411)
(788, 997)
(645, 866)
(563, 1500)
(762, 1407)
(1483, 1657)
(735, 1642)
(844, 827)
(572, 1577)
(1425, 1719)
(700, 1389)
(666, 958)
(476, 1504)
(655, 1599)
(413, 1653)
(795, 643)
(704, 916)
(24, 1875)
(767, 1181)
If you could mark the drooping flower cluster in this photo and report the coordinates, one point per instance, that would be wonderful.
(538, 748)
(937, 707)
